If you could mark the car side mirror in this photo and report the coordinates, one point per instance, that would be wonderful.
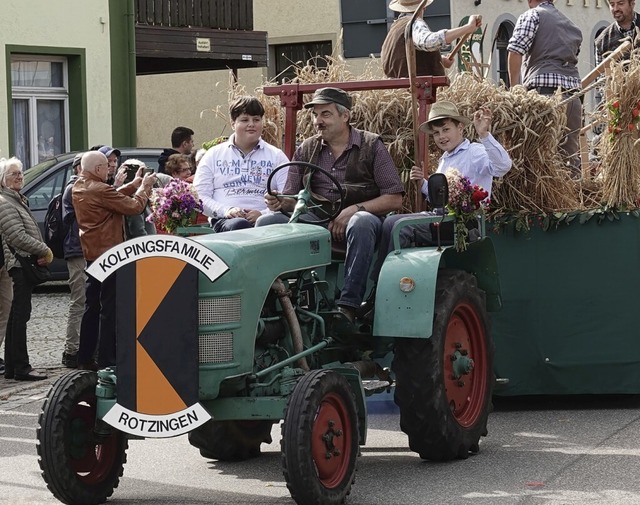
(438, 188)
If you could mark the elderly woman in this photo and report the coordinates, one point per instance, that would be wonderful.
(20, 235)
(178, 166)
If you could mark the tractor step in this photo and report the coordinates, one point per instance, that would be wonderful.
(375, 386)
(501, 382)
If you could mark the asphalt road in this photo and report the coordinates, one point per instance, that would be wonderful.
(540, 451)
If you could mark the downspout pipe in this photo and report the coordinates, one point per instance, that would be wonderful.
(131, 47)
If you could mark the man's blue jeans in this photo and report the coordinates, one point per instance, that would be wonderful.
(408, 235)
(363, 234)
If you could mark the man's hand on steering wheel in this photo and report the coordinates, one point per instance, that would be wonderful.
(272, 202)
(305, 198)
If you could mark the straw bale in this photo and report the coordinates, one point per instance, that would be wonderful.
(530, 127)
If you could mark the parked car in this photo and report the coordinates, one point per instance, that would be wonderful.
(45, 180)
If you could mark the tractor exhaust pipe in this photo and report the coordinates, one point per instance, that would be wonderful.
(290, 314)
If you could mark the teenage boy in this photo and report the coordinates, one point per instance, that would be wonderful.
(231, 179)
(479, 161)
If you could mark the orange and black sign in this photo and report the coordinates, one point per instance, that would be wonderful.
(160, 309)
(157, 333)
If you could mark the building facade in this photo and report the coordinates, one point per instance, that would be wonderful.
(353, 29)
(55, 76)
(70, 66)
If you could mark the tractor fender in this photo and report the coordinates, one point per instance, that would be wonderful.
(405, 296)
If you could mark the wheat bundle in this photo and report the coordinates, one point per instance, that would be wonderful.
(620, 151)
(529, 126)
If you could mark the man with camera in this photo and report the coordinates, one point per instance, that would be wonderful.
(137, 225)
(100, 209)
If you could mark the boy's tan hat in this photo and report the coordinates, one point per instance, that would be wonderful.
(442, 110)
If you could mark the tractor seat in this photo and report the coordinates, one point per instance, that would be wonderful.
(338, 250)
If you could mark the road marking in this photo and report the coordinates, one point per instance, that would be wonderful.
(13, 426)
(30, 441)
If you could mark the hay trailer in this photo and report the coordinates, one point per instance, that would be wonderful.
(220, 336)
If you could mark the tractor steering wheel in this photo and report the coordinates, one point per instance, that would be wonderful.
(305, 200)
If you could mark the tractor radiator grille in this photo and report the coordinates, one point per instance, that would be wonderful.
(224, 309)
(216, 347)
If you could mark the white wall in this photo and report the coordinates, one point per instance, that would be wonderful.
(62, 23)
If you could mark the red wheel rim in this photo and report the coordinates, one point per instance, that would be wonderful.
(465, 342)
(331, 441)
(91, 461)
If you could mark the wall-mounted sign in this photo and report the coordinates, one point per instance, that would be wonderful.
(203, 44)
(470, 57)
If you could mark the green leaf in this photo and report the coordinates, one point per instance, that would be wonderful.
(585, 216)
(546, 222)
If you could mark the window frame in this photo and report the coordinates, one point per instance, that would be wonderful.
(33, 94)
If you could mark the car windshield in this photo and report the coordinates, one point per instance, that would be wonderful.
(33, 172)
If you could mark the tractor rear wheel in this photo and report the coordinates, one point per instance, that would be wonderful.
(320, 439)
(231, 440)
(443, 383)
(78, 465)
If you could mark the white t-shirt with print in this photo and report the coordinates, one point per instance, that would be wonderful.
(225, 178)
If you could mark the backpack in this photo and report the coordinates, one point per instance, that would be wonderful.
(55, 230)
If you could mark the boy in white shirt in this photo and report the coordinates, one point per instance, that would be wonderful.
(231, 179)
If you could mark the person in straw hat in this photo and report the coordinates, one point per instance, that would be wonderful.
(429, 61)
(479, 161)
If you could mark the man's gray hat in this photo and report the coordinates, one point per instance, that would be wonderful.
(323, 96)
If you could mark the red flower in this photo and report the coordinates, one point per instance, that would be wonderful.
(616, 104)
(478, 195)
(631, 127)
(635, 112)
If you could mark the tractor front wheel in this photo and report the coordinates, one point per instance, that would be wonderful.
(443, 383)
(320, 439)
(79, 465)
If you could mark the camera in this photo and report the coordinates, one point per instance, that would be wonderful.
(131, 171)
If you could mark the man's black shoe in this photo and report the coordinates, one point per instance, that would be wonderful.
(92, 365)
(366, 307)
(348, 312)
(31, 376)
(70, 360)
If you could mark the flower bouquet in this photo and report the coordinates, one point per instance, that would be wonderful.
(174, 206)
(466, 201)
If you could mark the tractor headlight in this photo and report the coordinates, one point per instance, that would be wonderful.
(407, 284)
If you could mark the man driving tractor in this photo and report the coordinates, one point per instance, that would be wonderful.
(360, 162)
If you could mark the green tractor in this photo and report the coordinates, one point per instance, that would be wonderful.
(261, 341)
